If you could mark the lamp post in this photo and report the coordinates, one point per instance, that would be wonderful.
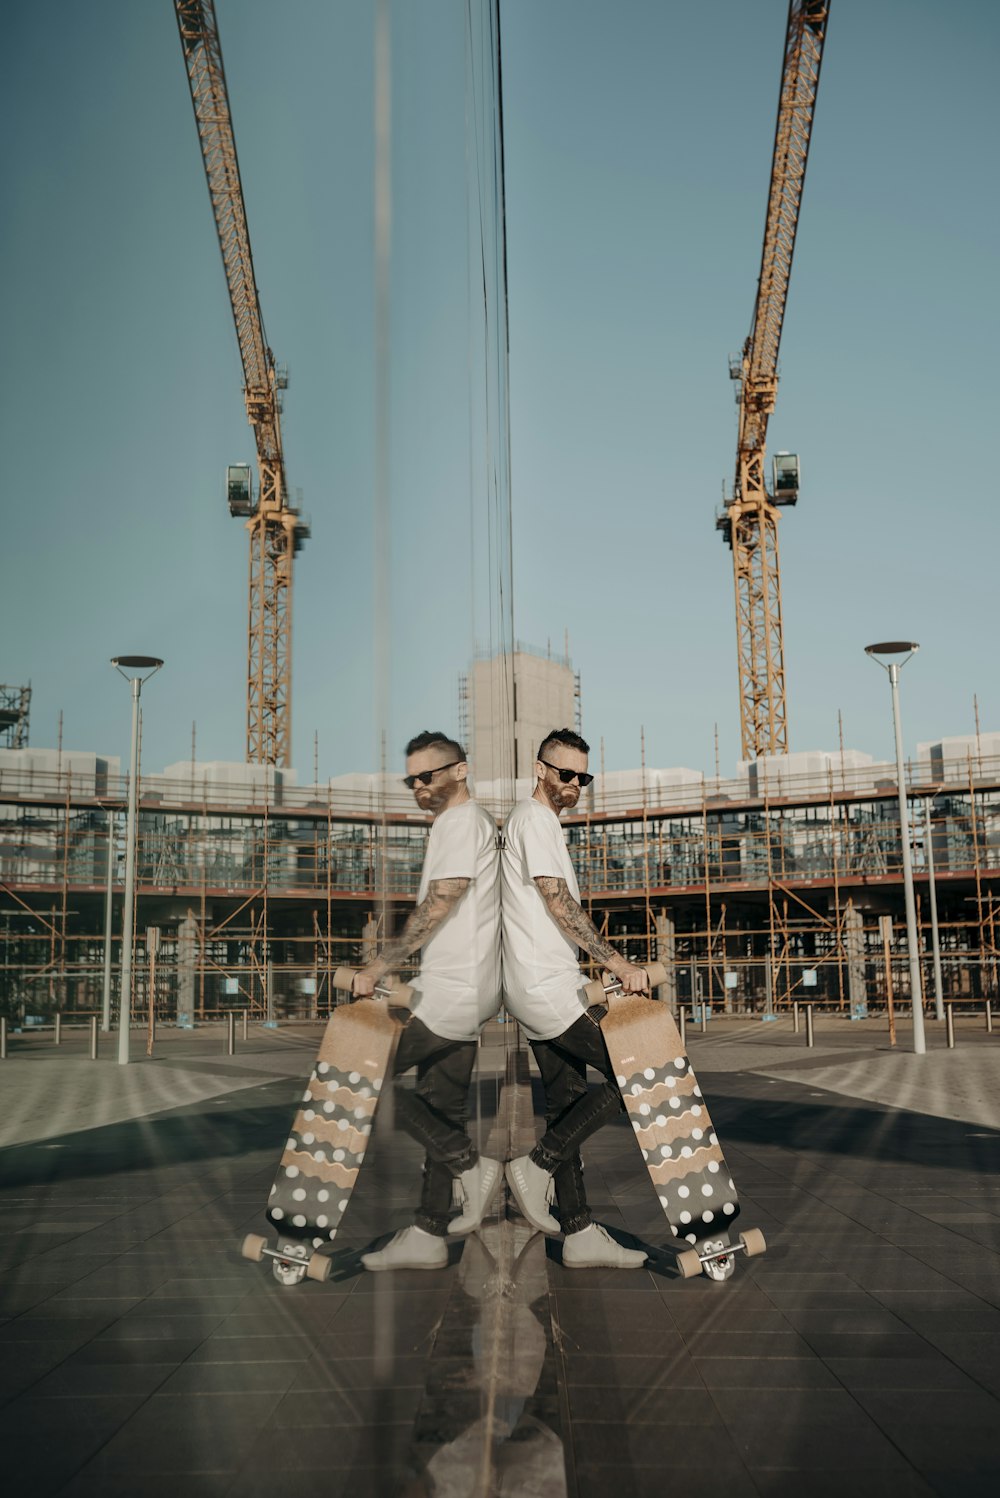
(905, 648)
(932, 894)
(108, 925)
(143, 667)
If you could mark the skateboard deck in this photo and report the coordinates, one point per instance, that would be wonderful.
(326, 1146)
(674, 1130)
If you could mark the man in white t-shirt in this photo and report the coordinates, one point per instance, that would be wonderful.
(456, 925)
(544, 926)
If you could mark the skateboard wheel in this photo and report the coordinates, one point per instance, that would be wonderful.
(689, 1264)
(343, 978)
(657, 974)
(753, 1242)
(253, 1247)
(319, 1267)
(595, 991)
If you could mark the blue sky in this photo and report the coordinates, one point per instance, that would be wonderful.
(638, 141)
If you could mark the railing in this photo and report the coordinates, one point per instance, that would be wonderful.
(659, 791)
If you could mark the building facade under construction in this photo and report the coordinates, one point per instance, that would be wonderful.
(779, 886)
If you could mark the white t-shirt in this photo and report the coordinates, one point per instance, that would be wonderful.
(543, 985)
(458, 986)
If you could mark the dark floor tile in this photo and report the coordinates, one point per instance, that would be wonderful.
(596, 1480)
(77, 1378)
(317, 1449)
(146, 1451)
(139, 1327)
(857, 1446)
(955, 1410)
(129, 1350)
(351, 1407)
(49, 1328)
(724, 1344)
(729, 1316)
(92, 1484)
(703, 1447)
(292, 1347)
(872, 1321)
(927, 1373)
(813, 1484)
(773, 1408)
(829, 1345)
(229, 1378)
(337, 1375)
(657, 1405)
(973, 1449)
(765, 1373)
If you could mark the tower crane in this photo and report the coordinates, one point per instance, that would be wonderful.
(749, 522)
(277, 530)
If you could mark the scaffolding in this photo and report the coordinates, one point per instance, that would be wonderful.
(15, 711)
(756, 895)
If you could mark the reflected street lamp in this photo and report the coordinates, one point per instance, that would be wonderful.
(905, 648)
(136, 669)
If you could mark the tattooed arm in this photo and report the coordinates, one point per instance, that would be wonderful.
(421, 924)
(574, 922)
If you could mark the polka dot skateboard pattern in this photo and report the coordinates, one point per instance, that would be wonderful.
(330, 1134)
(670, 1119)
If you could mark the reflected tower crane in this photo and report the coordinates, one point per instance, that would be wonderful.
(277, 530)
(749, 522)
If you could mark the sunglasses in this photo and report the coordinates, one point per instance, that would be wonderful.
(426, 776)
(566, 776)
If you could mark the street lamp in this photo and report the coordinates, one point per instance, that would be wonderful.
(136, 669)
(905, 648)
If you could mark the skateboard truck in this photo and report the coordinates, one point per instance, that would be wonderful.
(716, 1258)
(292, 1264)
(597, 991)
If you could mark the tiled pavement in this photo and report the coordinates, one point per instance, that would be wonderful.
(140, 1355)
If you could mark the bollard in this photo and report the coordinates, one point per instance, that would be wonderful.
(949, 1024)
(681, 1024)
(230, 1034)
(809, 1025)
(704, 1017)
(989, 1018)
(246, 1026)
(3, 1037)
(795, 1019)
(58, 1034)
(93, 1037)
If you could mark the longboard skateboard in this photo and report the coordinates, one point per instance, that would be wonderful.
(328, 1139)
(674, 1130)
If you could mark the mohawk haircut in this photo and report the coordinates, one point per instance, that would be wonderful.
(432, 739)
(564, 736)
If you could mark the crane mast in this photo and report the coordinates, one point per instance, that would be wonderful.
(750, 520)
(276, 529)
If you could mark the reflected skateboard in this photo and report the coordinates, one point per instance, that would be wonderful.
(320, 1164)
(674, 1130)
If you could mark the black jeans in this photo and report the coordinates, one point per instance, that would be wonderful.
(434, 1114)
(573, 1111)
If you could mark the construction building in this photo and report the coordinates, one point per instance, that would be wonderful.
(535, 689)
(781, 884)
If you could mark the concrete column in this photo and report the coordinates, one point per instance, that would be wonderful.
(369, 940)
(187, 949)
(854, 946)
(666, 952)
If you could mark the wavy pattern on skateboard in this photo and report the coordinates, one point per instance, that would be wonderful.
(330, 1134)
(671, 1121)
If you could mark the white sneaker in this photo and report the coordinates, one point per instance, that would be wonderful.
(530, 1184)
(478, 1186)
(410, 1248)
(594, 1248)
